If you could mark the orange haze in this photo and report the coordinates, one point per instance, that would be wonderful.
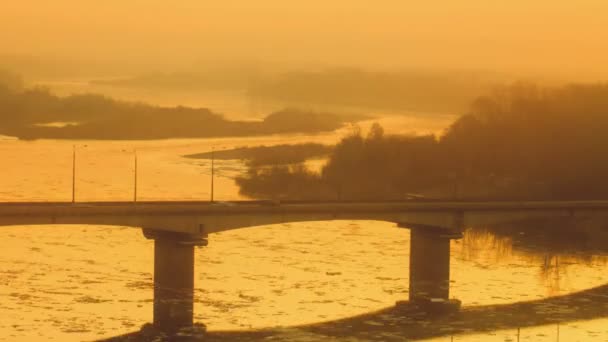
(556, 36)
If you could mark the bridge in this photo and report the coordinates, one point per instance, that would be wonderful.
(177, 227)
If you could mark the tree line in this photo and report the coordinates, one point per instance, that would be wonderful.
(520, 141)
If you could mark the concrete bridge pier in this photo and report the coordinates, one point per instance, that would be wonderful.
(430, 269)
(174, 281)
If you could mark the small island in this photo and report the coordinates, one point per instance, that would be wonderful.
(36, 113)
(257, 156)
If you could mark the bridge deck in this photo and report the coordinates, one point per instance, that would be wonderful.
(248, 206)
(207, 217)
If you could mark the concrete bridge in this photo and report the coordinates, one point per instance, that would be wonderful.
(177, 227)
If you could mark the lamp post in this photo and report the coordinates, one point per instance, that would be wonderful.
(73, 173)
(135, 176)
(212, 171)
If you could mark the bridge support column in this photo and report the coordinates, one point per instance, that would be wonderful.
(173, 279)
(430, 269)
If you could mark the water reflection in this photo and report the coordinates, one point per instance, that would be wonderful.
(555, 246)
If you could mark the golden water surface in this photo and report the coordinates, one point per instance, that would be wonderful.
(75, 283)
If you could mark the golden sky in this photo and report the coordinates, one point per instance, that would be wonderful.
(557, 35)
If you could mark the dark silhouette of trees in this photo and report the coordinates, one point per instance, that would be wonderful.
(27, 113)
(548, 142)
(371, 167)
(519, 142)
(283, 182)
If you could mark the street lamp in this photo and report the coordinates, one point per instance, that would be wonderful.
(135, 176)
(212, 170)
(73, 174)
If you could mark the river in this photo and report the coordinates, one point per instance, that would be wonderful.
(83, 283)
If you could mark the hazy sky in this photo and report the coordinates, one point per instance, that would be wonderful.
(557, 35)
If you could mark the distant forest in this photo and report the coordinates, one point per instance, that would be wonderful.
(519, 142)
(36, 113)
(413, 90)
(409, 90)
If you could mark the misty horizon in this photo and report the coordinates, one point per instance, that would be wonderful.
(558, 39)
